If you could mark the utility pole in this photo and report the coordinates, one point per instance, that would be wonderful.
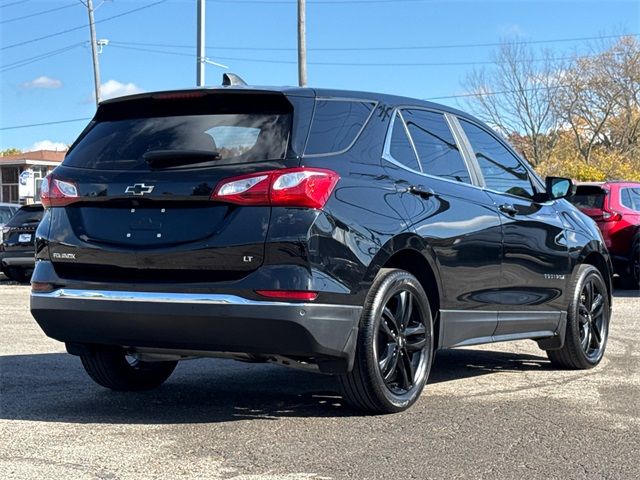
(302, 43)
(94, 51)
(200, 53)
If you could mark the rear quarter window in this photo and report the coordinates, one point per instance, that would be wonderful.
(630, 198)
(336, 125)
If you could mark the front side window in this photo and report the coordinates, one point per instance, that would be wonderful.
(336, 125)
(630, 198)
(502, 171)
(436, 147)
(400, 146)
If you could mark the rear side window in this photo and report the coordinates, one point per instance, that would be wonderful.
(630, 198)
(336, 125)
(588, 196)
(436, 147)
(502, 171)
(400, 147)
(238, 138)
(28, 214)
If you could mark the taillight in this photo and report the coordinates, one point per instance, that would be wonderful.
(55, 192)
(290, 187)
(288, 294)
(611, 216)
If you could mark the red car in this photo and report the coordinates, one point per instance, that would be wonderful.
(615, 207)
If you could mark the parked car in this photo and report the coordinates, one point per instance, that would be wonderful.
(348, 233)
(7, 210)
(17, 248)
(615, 207)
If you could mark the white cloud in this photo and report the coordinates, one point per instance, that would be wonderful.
(46, 145)
(114, 88)
(512, 30)
(43, 82)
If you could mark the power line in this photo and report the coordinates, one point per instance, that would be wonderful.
(13, 3)
(503, 92)
(483, 94)
(316, 2)
(80, 27)
(57, 122)
(36, 14)
(36, 58)
(345, 64)
(408, 47)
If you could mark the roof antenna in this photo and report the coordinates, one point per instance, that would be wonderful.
(229, 79)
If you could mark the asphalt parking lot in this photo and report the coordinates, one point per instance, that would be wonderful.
(495, 411)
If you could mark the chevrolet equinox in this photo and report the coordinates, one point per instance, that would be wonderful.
(348, 233)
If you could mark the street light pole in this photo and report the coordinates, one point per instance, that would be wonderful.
(302, 43)
(200, 49)
(94, 52)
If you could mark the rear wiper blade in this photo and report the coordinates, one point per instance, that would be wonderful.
(175, 158)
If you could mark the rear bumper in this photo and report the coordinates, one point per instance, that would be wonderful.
(17, 259)
(207, 322)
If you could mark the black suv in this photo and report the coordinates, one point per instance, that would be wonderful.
(17, 246)
(344, 232)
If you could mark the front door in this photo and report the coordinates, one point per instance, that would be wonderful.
(535, 261)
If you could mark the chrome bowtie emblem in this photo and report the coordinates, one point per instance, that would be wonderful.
(139, 189)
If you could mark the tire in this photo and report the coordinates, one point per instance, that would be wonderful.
(110, 368)
(587, 322)
(17, 274)
(376, 384)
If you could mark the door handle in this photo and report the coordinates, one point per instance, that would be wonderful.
(508, 208)
(422, 191)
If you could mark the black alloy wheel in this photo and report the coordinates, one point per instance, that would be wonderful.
(394, 351)
(587, 326)
(401, 340)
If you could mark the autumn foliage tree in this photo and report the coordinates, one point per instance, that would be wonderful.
(579, 118)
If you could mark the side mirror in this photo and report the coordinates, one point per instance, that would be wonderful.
(559, 187)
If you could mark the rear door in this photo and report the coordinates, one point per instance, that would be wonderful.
(535, 261)
(145, 171)
(455, 217)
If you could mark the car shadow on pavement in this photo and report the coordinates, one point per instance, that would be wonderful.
(53, 387)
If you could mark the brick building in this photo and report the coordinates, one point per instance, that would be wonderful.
(22, 174)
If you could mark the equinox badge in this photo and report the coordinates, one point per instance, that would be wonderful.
(139, 189)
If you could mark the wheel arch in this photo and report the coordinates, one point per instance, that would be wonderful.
(412, 254)
(600, 261)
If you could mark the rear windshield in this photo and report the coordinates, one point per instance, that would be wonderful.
(237, 138)
(588, 196)
(6, 213)
(30, 214)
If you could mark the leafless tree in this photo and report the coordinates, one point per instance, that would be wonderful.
(517, 95)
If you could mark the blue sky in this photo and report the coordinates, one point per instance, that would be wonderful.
(239, 34)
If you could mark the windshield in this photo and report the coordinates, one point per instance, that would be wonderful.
(236, 138)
